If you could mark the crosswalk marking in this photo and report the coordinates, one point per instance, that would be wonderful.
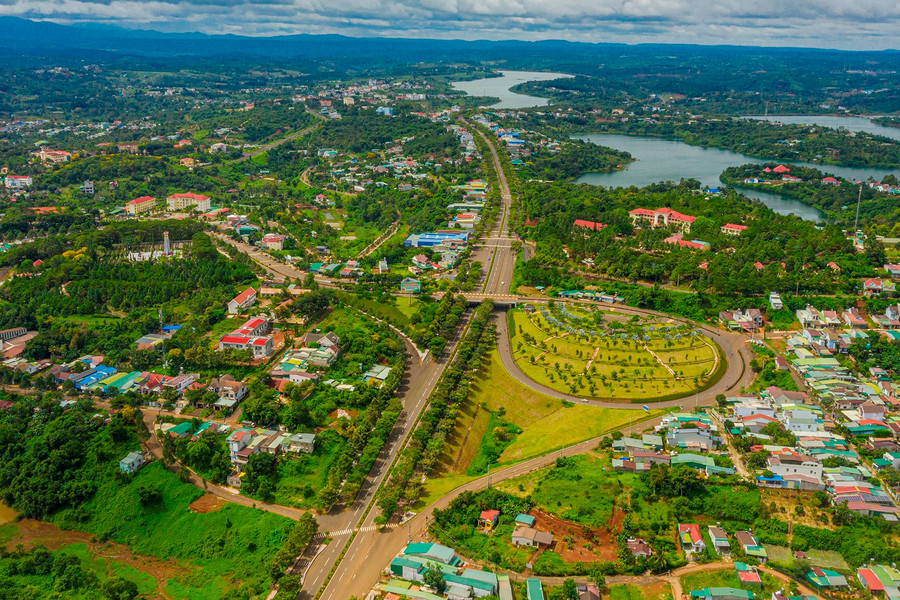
(368, 529)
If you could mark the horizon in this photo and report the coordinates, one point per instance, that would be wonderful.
(867, 26)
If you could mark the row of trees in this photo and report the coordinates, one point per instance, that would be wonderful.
(426, 443)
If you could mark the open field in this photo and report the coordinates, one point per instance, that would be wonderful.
(655, 591)
(546, 424)
(600, 355)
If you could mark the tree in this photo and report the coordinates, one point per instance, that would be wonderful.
(434, 578)
(598, 578)
(569, 590)
(116, 588)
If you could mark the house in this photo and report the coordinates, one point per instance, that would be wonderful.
(810, 317)
(732, 229)
(302, 443)
(748, 575)
(188, 200)
(775, 301)
(661, 217)
(132, 462)
(528, 536)
(721, 594)
(825, 579)
(853, 319)
(227, 387)
(870, 410)
(719, 540)
(750, 319)
(489, 519)
(140, 205)
(893, 271)
(691, 540)
(272, 241)
(410, 285)
(638, 548)
(751, 545)
(523, 519)
(421, 261)
(587, 592)
(242, 301)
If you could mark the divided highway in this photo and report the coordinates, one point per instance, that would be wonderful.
(371, 549)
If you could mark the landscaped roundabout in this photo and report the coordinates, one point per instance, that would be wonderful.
(602, 354)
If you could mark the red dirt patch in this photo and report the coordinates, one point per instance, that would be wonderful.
(207, 503)
(31, 533)
(569, 538)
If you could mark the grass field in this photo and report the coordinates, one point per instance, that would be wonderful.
(300, 478)
(638, 360)
(547, 424)
(657, 591)
(728, 577)
(220, 550)
(584, 492)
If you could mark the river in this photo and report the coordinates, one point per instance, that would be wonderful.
(658, 159)
(499, 87)
(835, 122)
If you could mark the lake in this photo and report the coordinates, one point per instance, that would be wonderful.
(848, 123)
(499, 87)
(658, 159)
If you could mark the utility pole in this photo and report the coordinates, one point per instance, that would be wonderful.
(165, 357)
(858, 200)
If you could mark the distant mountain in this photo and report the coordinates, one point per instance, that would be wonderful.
(22, 37)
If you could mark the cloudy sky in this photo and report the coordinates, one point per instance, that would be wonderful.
(847, 24)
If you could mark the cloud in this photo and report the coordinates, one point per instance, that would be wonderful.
(850, 24)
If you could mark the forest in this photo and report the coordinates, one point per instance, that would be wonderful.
(878, 210)
(622, 253)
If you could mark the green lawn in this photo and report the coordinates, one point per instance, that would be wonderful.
(610, 367)
(634, 592)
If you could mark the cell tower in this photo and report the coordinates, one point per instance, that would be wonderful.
(166, 249)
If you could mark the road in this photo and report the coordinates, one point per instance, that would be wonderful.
(423, 376)
(496, 249)
(358, 570)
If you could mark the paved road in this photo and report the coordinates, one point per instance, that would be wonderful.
(423, 376)
(496, 251)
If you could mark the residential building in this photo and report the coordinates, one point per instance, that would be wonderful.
(691, 540)
(751, 545)
(188, 200)
(227, 387)
(590, 225)
(721, 593)
(638, 548)
(533, 589)
(825, 579)
(528, 536)
(272, 241)
(242, 301)
(775, 301)
(302, 443)
(719, 540)
(132, 462)
(140, 205)
(489, 519)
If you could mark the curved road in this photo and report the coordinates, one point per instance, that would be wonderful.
(734, 350)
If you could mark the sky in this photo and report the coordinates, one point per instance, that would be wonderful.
(844, 24)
